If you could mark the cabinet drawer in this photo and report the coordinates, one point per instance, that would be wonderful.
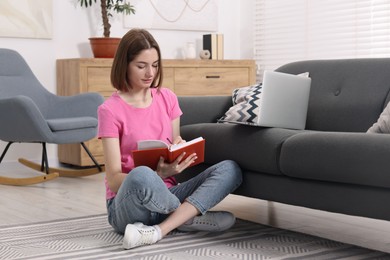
(213, 81)
(98, 80)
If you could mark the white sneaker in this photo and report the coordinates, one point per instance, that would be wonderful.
(138, 234)
(212, 221)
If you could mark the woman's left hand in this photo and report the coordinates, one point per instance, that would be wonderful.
(165, 170)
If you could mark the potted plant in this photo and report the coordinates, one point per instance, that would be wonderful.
(105, 47)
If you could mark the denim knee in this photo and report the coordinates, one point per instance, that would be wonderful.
(232, 171)
(142, 176)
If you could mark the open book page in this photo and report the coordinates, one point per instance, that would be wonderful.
(148, 144)
(175, 147)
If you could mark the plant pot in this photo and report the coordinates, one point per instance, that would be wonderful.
(104, 47)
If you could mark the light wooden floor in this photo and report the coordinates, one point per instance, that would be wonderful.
(75, 197)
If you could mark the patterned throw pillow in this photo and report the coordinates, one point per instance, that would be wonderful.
(382, 126)
(245, 109)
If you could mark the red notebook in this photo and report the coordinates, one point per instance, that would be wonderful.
(150, 151)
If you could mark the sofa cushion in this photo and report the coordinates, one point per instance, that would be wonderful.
(72, 123)
(353, 158)
(253, 148)
(203, 109)
(383, 123)
(346, 95)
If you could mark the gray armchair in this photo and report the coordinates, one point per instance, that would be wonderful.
(30, 113)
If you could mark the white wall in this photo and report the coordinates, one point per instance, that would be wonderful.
(72, 25)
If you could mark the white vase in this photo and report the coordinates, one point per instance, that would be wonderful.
(190, 50)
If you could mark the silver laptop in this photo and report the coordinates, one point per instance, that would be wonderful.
(284, 100)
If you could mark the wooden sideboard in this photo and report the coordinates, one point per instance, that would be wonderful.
(184, 77)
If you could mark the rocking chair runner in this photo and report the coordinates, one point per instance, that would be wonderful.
(29, 113)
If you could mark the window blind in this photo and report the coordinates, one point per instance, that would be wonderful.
(293, 30)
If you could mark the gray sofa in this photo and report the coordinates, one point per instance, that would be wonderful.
(332, 165)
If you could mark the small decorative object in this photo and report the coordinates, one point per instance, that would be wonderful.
(190, 50)
(205, 54)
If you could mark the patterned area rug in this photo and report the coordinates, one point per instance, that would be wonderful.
(92, 238)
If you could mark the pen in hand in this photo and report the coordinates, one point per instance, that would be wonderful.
(169, 140)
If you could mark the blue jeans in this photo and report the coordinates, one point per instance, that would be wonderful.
(144, 197)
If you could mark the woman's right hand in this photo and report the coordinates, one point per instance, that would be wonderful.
(165, 170)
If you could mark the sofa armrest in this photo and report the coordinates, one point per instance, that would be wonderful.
(22, 121)
(80, 105)
(203, 109)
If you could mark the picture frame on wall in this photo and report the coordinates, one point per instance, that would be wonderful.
(26, 18)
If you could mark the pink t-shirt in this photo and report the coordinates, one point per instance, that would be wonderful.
(118, 119)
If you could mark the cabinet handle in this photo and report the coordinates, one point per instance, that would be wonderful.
(213, 77)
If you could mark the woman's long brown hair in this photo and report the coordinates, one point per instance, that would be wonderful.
(131, 44)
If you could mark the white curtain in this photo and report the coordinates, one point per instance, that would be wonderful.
(292, 30)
